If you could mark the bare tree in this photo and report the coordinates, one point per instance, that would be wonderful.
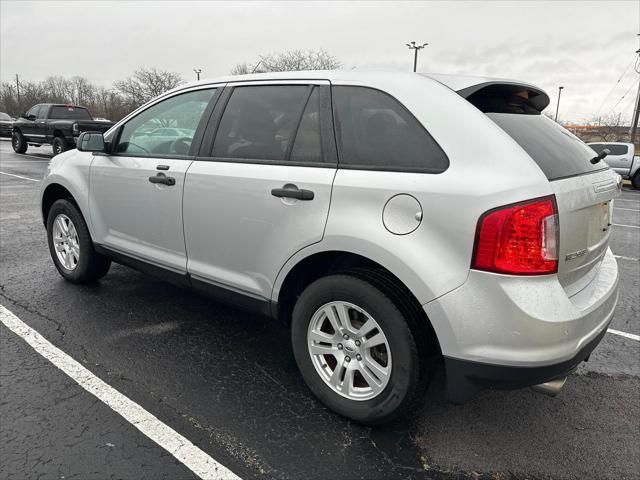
(610, 128)
(289, 61)
(146, 84)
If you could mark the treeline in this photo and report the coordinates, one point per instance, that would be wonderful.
(112, 103)
(126, 95)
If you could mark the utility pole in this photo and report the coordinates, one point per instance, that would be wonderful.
(636, 110)
(558, 105)
(198, 72)
(415, 48)
(18, 88)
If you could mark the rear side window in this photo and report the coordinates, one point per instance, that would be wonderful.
(557, 152)
(376, 132)
(69, 113)
(260, 122)
(613, 149)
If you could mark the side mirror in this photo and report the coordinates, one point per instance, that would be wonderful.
(29, 117)
(91, 142)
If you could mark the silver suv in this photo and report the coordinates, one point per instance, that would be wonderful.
(396, 221)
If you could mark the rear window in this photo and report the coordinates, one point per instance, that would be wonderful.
(376, 132)
(69, 113)
(557, 152)
(613, 149)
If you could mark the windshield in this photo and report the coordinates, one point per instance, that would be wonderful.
(557, 152)
(4, 116)
(69, 113)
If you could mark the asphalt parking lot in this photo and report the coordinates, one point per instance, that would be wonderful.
(226, 381)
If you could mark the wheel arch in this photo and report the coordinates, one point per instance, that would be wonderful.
(323, 263)
(52, 193)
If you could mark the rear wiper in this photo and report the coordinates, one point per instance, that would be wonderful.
(600, 156)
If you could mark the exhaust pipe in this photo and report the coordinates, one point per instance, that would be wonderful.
(551, 388)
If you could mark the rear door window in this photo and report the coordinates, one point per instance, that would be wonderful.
(613, 149)
(260, 122)
(376, 132)
(558, 153)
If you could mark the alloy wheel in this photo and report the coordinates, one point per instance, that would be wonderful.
(349, 350)
(65, 242)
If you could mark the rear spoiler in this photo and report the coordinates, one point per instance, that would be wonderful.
(467, 86)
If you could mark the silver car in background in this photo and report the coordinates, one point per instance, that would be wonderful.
(398, 222)
(622, 159)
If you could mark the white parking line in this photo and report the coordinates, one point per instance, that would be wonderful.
(622, 225)
(624, 334)
(19, 176)
(182, 449)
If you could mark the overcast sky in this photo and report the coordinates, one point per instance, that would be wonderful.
(584, 46)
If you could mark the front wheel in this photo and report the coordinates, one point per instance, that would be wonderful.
(355, 349)
(18, 143)
(71, 247)
(635, 181)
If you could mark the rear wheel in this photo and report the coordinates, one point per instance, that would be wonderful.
(355, 349)
(71, 247)
(635, 181)
(59, 146)
(18, 142)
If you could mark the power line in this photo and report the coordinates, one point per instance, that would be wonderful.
(625, 94)
(634, 59)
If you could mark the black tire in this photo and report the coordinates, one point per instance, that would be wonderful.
(59, 146)
(18, 143)
(635, 181)
(91, 265)
(408, 374)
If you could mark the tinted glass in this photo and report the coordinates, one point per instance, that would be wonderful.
(33, 111)
(167, 128)
(613, 149)
(307, 146)
(375, 130)
(69, 113)
(556, 151)
(259, 122)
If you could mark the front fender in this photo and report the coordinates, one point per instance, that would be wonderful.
(71, 171)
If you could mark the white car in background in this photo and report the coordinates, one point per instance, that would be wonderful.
(621, 158)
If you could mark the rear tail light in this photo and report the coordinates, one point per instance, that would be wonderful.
(519, 239)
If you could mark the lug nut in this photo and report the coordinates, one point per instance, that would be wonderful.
(357, 343)
(345, 336)
(347, 359)
(359, 357)
(339, 346)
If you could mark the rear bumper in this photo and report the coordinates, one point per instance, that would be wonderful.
(509, 332)
(466, 378)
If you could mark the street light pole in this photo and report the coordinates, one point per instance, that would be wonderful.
(198, 72)
(558, 105)
(415, 48)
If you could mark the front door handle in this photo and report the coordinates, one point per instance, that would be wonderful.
(297, 193)
(163, 179)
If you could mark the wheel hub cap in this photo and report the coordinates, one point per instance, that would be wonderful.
(349, 350)
(65, 242)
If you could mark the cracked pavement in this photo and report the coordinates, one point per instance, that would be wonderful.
(227, 381)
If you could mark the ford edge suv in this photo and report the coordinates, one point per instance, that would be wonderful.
(396, 221)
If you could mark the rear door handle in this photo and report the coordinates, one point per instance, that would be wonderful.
(163, 179)
(299, 194)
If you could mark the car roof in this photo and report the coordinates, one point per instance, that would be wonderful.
(465, 85)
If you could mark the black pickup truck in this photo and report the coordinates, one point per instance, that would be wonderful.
(55, 124)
